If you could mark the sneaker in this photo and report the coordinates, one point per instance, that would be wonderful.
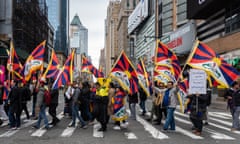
(71, 125)
(91, 123)
(35, 127)
(84, 126)
(18, 128)
(13, 128)
(206, 123)
(46, 128)
(117, 127)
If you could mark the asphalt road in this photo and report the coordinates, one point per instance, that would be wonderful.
(138, 131)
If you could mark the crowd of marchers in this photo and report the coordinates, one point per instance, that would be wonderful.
(94, 102)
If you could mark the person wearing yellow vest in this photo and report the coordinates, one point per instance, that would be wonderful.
(101, 111)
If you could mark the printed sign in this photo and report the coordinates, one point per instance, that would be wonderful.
(197, 82)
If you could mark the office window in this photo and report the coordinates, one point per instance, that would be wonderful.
(167, 7)
(232, 20)
(181, 16)
(182, 8)
(181, 1)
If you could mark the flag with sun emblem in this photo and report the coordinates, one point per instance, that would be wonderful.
(124, 72)
(203, 57)
(165, 57)
(143, 77)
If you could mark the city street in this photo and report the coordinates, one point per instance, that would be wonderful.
(139, 131)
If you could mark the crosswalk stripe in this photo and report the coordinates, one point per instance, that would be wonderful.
(212, 124)
(130, 135)
(223, 114)
(68, 131)
(12, 132)
(152, 130)
(96, 133)
(40, 132)
(217, 135)
(218, 116)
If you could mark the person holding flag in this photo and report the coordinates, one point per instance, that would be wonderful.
(171, 100)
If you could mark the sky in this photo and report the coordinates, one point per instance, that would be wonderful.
(92, 14)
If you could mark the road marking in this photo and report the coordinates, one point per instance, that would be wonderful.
(96, 133)
(40, 132)
(68, 131)
(217, 135)
(130, 135)
(12, 132)
(213, 124)
(185, 132)
(223, 114)
(218, 115)
(152, 130)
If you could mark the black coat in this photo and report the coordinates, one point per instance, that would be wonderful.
(198, 106)
(15, 99)
(1, 96)
(54, 96)
(133, 98)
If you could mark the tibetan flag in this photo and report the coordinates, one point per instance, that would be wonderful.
(6, 90)
(165, 71)
(166, 57)
(2, 74)
(124, 72)
(88, 67)
(66, 73)
(182, 94)
(13, 63)
(143, 77)
(203, 57)
(160, 77)
(53, 67)
(35, 61)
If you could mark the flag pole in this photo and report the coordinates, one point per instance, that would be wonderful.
(189, 56)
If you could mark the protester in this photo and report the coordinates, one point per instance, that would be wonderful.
(111, 94)
(14, 106)
(236, 109)
(159, 103)
(85, 101)
(101, 111)
(53, 104)
(198, 110)
(25, 97)
(67, 100)
(34, 90)
(75, 107)
(41, 105)
(133, 100)
(3, 114)
(119, 110)
(209, 101)
(172, 101)
(143, 98)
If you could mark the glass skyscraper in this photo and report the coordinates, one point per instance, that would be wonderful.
(58, 15)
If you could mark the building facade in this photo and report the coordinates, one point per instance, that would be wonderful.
(78, 40)
(111, 36)
(26, 23)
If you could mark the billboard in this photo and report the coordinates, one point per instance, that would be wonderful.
(181, 40)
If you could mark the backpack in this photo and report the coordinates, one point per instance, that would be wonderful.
(47, 97)
(166, 98)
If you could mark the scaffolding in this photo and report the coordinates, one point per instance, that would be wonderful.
(30, 24)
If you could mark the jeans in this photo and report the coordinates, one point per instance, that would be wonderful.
(14, 117)
(33, 108)
(132, 107)
(170, 119)
(142, 105)
(86, 110)
(236, 118)
(42, 115)
(75, 114)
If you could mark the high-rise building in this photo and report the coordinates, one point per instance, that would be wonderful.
(78, 39)
(27, 28)
(58, 15)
